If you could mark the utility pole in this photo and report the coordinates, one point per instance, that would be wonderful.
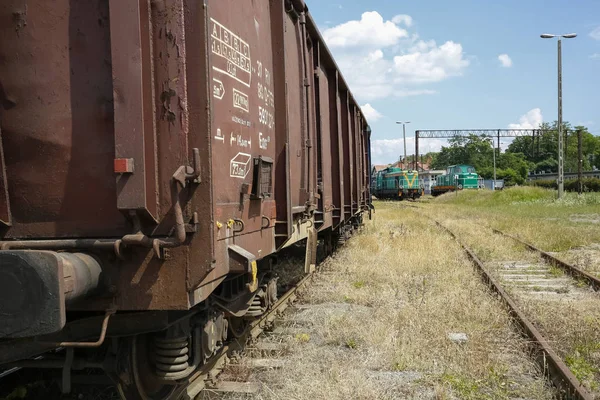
(494, 152)
(561, 171)
(579, 161)
(404, 136)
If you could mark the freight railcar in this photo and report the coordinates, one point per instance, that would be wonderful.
(396, 183)
(155, 156)
(457, 177)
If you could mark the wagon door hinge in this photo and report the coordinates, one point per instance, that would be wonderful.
(308, 144)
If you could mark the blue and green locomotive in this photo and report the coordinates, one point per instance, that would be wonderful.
(396, 183)
(457, 177)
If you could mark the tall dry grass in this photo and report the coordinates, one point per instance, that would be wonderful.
(571, 323)
(375, 325)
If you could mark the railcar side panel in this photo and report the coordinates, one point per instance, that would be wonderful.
(367, 184)
(337, 155)
(56, 96)
(325, 141)
(356, 172)
(296, 111)
(345, 148)
(135, 123)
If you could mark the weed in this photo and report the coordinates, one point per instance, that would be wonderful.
(555, 272)
(399, 366)
(466, 388)
(581, 367)
(303, 337)
(348, 299)
(351, 343)
(581, 283)
(359, 284)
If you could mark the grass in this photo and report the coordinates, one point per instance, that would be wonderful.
(556, 272)
(380, 318)
(532, 213)
(536, 216)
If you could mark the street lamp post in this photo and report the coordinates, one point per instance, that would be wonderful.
(561, 171)
(404, 136)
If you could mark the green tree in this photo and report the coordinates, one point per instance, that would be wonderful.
(524, 154)
(473, 150)
(542, 150)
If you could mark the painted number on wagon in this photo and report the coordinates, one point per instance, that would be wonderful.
(265, 117)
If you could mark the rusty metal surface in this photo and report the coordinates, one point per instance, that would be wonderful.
(346, 149)
(298, 163)
(5, 218)
(86, 83)
(325, 142)
(242, 86)
(356, 134)
(337, 157)
(96, 343)
(57, 136)
(133, 104)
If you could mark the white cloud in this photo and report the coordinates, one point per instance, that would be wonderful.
(387, 151)
(431, 63)
(595, 56)
(403, 19)
(380, 59)
(595, 34)
(505, 60)
(531, 120)
(371, 114)
(370, 31)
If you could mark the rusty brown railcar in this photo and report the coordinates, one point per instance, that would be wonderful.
(155, 156)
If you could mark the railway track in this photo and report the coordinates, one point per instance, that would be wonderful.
(208, 376)
(551, 363)
(572, 270)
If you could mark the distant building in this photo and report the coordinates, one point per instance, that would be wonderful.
(568, 175)
(489, 184)
(428, 178)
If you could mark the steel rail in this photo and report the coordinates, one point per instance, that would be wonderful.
(593, 281)
(202, 379)
(558, 372)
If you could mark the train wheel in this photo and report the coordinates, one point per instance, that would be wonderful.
(238, 326)
(136, 378)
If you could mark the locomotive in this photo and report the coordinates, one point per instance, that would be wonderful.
(457, 177)
(396, 183)
(155, 158)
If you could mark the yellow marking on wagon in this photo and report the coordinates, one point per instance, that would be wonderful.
(411, 182)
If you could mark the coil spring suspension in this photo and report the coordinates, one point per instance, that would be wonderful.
(171, 357)
(258, 306)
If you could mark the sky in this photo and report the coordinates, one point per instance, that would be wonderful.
(465, 64)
